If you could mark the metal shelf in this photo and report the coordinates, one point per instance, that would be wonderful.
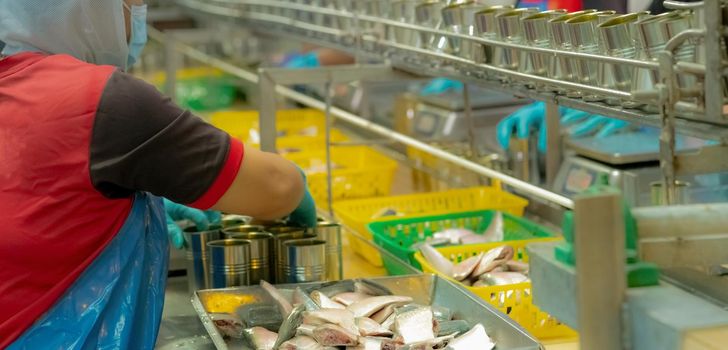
(406, 58)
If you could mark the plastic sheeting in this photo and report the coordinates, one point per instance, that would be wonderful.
(117, 302)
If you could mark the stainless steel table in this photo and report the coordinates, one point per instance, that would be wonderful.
(181, 327)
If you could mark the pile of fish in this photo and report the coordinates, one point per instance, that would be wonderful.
(495, 267)
(351, 315)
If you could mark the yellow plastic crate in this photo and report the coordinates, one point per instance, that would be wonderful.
(515, 299)
(359, 172)
(289, 122)
(356, 214)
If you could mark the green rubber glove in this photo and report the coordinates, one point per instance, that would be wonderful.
(177, 212)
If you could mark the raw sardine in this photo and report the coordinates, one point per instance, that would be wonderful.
(365, 286)
(230, 326)
(305, 329)
(300, 343)
(325, 302)
(475, 338)
(334, 335)
(439, 262)
(503, 278)
(389, 322)
(517, 266)
(260, 338)
(347, 299)
(369, 306)
(370, 328)
(436, 343)
(376, 343)
(415, 325)
(290, 325)
(452, 235)
(463, 270)
(284, 306)
(494, 233)
(441, 313)
(343, 318)
(494, 258)
(456, 327)
(383, 314)
(309, 303)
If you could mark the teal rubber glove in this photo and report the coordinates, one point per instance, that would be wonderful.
(306, 60)
(305, 214)
(521, 122)
(603, 127)
(439, 86)
(177, 212)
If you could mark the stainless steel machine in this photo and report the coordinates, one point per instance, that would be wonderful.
(631, 163)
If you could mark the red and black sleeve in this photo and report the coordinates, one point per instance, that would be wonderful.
(142, 141)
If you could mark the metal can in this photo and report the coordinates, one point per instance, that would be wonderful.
(198, 268)
(304, 261)
(229, 220)
(618, 40)
(229, 232)
(260, 259)
(561, 66)
(583, 38)
(331, 233)
(229, 263)
(280, 236)
(535, 31)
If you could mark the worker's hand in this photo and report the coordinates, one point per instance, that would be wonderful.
(177, 212)
(305, 60)
(439, 86)
(305, 214)
(577, 124)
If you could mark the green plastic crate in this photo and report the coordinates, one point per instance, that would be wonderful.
(398, 235)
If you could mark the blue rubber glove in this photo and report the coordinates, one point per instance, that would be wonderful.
(177, 212)
(305, 214)
(305, 60)
(521, 122)
(439, 86)
(603, 126)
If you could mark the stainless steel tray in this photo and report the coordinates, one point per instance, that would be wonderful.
(425, 289)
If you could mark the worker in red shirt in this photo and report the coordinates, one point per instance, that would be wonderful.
(86, 152)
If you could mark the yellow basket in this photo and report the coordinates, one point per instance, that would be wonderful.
(359, 172)
(356, 214)
(515, 299)
(289, 122)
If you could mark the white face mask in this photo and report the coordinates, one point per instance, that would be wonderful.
(138, 37)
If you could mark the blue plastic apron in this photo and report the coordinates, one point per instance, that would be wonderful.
(116, 303)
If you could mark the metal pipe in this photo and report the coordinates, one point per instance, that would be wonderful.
(713, 61)
(329, 168)
(681, 37)
(514, 74)
(679, 5)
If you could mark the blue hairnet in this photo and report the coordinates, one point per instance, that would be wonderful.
(90, 30)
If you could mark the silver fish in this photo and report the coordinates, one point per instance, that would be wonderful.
(300, 343)
(369, 306)
(365, 286)
(503, 278)
(383, 314)
(452, 235)
(284, 305)
(439, 262)
(436, 343)
(494, 258)
(334, 335)
(479, 283)
(415, 325)
(441, 313)
(376, 343)
(463, 270)
(368, 327)
(517, 266)
(309, 303)
(347, 299)
(325, 302)
(229, 325)
(343, 318)
(494, 233)
(455, 327)
(476, 338)
(290, 325)
(305, 329)
(260, 338)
